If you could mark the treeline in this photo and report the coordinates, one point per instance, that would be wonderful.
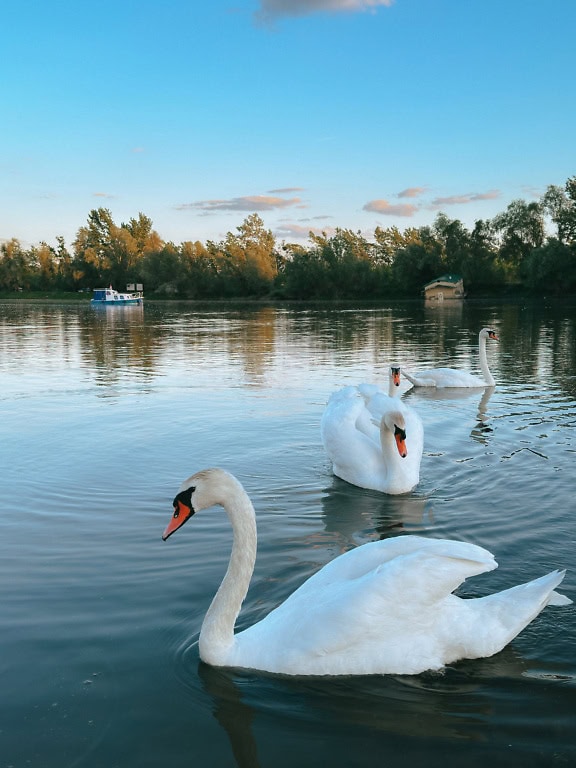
(511, 250)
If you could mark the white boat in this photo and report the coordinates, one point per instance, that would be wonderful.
(109, 297)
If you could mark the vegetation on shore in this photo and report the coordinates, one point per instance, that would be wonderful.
(512, 251)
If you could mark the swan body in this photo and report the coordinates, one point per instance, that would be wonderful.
(374, 440)
(385, 607)
(452, 377)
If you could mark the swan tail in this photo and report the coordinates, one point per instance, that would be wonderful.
(510, 611)
(557, 599)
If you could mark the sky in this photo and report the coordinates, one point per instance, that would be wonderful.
(315, 114)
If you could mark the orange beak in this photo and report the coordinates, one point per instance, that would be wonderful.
(396, 377)
(493, 336)
(400, 437)
(181, 513)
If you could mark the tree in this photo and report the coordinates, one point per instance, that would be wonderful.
(521, 228)
(106, 253)
(455, 241)
(388, 242)
(552, 268)
(14, 268)
(479, 265)
(560, 205)
(252, 256)
(418, 263)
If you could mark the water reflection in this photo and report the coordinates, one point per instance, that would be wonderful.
(246, 386)
(482, 429)
(430, 708)
(117, 341)
(358, 515)
(231, 711)
(534, 345)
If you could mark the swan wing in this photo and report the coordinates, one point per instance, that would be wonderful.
(347, 432)
(350, 619)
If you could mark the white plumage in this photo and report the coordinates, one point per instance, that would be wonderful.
(374, 440)
(384, 607)
(452, 377)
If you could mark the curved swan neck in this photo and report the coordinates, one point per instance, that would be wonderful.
(488, 378)
(217, 633)
(392, 462)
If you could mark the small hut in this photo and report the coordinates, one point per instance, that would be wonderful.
(444, 288)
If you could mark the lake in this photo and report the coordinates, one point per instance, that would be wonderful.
(104, 412)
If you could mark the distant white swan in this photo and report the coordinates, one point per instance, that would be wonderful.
(451, 377)
(384, 607)
(374, 440)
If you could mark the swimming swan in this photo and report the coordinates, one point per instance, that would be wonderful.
(383, 607)
(374, 440)
(451, 377)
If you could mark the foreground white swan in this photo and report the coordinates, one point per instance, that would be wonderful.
(384, 607)
(374, 440)
(452, 377)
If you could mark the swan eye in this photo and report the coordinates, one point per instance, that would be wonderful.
(185, 498)
(401, 433)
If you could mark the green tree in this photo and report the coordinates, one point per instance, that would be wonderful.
(521, 228)
(560, 205)
(15, 272)
(388, 242)
(478, 268)
(252, 257)
(552, 268)
(455, 241)
(418, 263)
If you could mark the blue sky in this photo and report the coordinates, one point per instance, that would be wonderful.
(314, 113)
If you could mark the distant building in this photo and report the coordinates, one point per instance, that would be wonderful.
(444, 287)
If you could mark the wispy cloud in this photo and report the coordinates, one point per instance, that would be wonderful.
(249, 203)
(103, 194)
(293, 231)
(276, 9)
(472, 197)
(285, 190)
(389, 209)
(412, 192)
(532, 191)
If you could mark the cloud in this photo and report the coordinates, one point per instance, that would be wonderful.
(385, 208)
(103, 194)
(293, 231)
(412, 192)
(285, 190)
(276, 9)
(249, 203)
(473, 197)
(532, 191)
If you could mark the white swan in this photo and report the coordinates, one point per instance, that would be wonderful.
(451, 377)
(374, 440)
(384, 607)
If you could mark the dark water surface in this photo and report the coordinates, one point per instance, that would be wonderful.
(104, 412)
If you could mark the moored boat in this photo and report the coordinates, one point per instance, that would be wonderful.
(109, 297)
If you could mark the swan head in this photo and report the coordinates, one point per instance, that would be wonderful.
(394, 421)
(395, 375)
(204, 489)
(488, 333)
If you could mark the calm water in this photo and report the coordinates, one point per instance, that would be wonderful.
(104, 412)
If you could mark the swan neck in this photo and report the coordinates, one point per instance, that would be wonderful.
(488, 378)
(217, 633)
(392, 462)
